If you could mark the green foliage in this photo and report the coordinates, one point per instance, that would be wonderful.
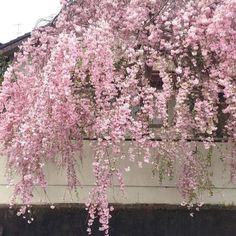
(4, 63)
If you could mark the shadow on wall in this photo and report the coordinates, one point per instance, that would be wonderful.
(127, 220)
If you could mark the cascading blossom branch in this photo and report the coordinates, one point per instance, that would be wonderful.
(87, 74)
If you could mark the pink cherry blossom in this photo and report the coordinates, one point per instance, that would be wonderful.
(88, 74)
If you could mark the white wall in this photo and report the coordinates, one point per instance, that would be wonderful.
(141, 185)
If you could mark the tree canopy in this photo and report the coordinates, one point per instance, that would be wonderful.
(88, 74)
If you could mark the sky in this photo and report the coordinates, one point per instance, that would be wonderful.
(21, 16)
